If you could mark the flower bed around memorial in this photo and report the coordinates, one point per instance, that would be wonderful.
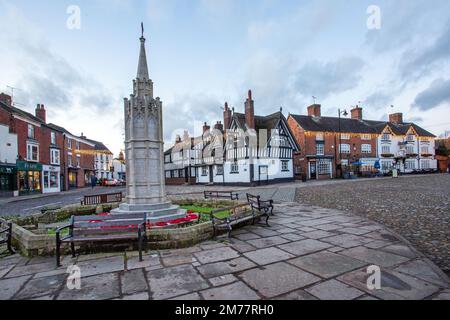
(35, 235)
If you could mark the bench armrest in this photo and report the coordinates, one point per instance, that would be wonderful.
(63, 227)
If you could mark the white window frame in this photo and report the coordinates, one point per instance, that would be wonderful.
(320, 151)
(204, 171)
(323, 167)
(285, 165)
(366, 137)
(366, 148)
(69, 143)
(386, 137)
(385, 149)
(30, 147)
(31, 131)
(345, 136)
(344, 150)
(55, 154)
(53, 137)
(234, 167)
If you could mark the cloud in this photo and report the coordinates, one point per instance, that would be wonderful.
(323, 79)
(189, 112)
(379, 99)
(436, 94)
(428, 58)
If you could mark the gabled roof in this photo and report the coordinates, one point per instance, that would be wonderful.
(20, 112)
(267, 123)
(331, 124)
(98, 145)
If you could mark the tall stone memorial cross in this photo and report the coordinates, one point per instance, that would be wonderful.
(144, 147)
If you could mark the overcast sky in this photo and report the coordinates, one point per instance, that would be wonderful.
(204, 52)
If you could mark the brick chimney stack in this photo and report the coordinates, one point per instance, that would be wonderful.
(357, 113)
(314, 110)
(6, 98)
(396, 118)
(40, 112)
(219, 126)
(206, 128)
(227, 116)
(250, 111)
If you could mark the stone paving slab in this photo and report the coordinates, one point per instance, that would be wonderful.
(277, 279)
(235, 291)
(325, 260)
(221, 268)
(171, 282)
(268, 255)
(98, 287)
(334, 290)
(47, 286)
(394, 285)
(303, 247)
(327, 264)
(215, 255)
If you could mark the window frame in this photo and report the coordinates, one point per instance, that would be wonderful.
(31, 153)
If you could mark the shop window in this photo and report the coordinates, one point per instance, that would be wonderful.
(323, 167)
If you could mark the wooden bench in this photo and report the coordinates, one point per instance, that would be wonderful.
(260, 205)
(221, 194)
(6, 234)
(238, 214)
(102, 198)
(103, 229)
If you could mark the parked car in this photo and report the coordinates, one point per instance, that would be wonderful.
(112, 183)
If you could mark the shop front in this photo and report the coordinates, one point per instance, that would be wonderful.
(29, 177)
(51, 181)
(7, 180)
(73, 178)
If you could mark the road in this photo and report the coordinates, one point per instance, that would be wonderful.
(280, 192)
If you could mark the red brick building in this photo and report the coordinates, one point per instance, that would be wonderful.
(49, 158)
(320, 137)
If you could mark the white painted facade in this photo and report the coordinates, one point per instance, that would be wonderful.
(406, 152)
(245, 164)
(51, 179)
(8, 145)
(119, 169)
(103, 165)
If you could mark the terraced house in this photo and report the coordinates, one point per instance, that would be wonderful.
(40, 157)
(331, 146)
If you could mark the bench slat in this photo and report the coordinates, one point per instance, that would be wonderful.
(133, 216)
(105, 231)
(110, 223)
(100, 238)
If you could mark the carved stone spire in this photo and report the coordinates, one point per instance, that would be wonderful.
(142, 72)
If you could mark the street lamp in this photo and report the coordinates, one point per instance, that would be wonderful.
(344, 113)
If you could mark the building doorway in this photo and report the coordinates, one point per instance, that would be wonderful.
(211, 174)
(313, 170)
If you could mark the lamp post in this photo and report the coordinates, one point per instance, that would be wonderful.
(344, 113)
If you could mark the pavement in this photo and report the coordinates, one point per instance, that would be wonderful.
(417, 207)
(308, 253)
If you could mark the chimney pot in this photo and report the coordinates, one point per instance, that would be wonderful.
(357, 113)
(41, 113)
(314, 110)
(396, 118)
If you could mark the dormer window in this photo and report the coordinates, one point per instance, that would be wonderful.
(386, 137)
(411, 137)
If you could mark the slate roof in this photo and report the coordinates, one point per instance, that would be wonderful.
(331, 124)
(20, 112)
